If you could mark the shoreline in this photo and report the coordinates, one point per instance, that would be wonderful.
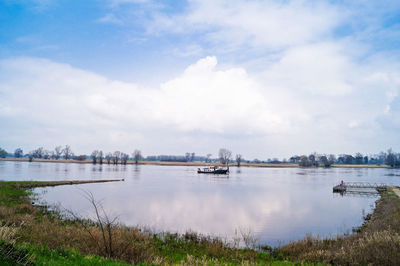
(376, 242)
(200, 164)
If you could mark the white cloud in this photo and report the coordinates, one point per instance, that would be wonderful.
(253, 23)
(66, 101)
(312, 94)
(110, 18)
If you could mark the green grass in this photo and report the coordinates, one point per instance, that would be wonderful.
(11, 196)
(26, 254)
(39, 236)
(50, 238)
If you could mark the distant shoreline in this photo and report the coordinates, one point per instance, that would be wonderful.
(197, 164)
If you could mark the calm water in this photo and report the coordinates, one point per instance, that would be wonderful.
(278, 205)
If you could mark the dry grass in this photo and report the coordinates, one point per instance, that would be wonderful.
(7, 233)
(378, 242)
(129, 244)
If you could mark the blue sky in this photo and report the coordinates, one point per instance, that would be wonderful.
(262, 78)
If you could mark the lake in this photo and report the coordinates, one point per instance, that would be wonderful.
(277, 205)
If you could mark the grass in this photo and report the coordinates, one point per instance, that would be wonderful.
(27, 254)
(376, 243)
(34, 235)
(53, 238)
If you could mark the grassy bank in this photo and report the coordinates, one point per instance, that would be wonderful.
(36, 235)
(377, 241)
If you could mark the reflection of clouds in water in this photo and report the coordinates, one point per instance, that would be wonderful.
(276, 204)
(214, 214)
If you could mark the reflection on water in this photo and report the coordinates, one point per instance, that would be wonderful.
(279, 205)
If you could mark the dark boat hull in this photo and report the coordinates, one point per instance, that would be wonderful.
(215, 172)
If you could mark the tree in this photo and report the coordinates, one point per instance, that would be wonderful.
(313, 159)
(108, 157)
(208, 159)
(324, 160)
(390, 158)
(359, 158)
(100, 157)
(124, 158)
(304, 161)
(67, 152)
(58, 152)
(18, 153)
(116, 156)
(332, 159)
(3, 153)
(30, 156)
(94, 155)
(348, 159)
(187, 156)
(225, 156)
(137, 155)
(46, 154)
(192, 156)
(238, 159)
(38, 153)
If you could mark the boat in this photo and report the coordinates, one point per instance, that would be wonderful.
(213, 170)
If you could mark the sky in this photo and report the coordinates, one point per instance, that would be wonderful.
(263, 79)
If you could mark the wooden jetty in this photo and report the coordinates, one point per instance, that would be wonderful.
(358, 186)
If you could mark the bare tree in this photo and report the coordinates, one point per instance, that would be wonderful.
(187, 156)
(249, 238)
(106, 225)
(58, 152)
(390, 158)
(67, 152)
(124, 158)
(94, 155)
(208, 159)
(238, 159)
(304, 161)
(109, 157)
(100, 157)
(137, 155)
(38, 153)
(324, 160)
(332, 158)
(46, 154)
(225, 156)
(30, 156)
(18, 153)
(116, 156)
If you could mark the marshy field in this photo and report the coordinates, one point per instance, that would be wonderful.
(171, 215)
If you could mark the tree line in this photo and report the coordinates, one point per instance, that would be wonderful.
(389, 158)
(224, 157)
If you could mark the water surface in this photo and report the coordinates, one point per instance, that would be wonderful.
(278, 205)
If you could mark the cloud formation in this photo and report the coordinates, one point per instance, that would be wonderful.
(310, 99)
(263, 78)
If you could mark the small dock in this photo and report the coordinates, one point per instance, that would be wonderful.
(358, 186)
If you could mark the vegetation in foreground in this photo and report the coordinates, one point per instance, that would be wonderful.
(377, 241)
(35, 235)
